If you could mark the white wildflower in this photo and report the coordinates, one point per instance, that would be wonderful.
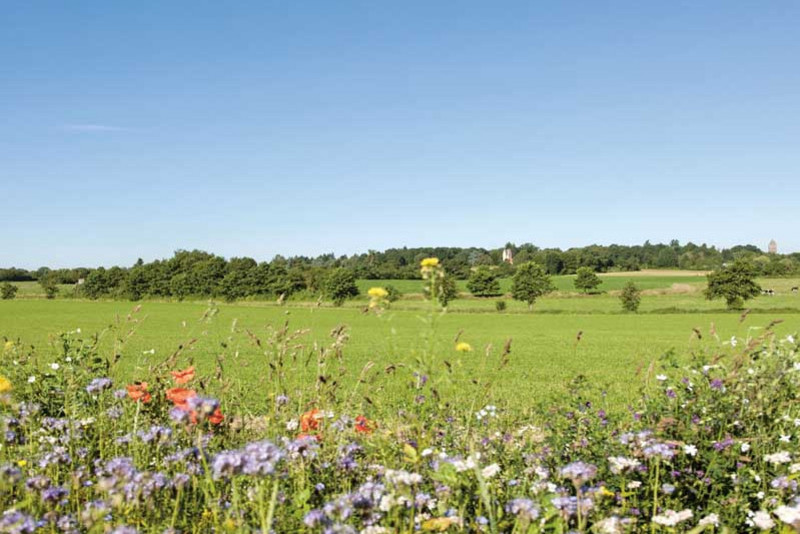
(621, 463)
(54, 366)
(292, 424)
(745, 447)
(710, 519)
(734, 341)
(31, 379)
(661, 378)
(610, 525)
(786, 438)
(670, 518)
(490, 470)
(634, 484)
(780, 457)
(762, 520)
(691, 450)
(789, 514)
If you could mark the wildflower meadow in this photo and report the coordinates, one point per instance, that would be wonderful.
(709, 443)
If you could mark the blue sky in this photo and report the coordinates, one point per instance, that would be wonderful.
(132, 129)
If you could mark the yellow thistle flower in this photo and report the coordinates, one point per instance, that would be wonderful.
(5, 384)
(463, 346)
(429, 262)
(377, 293)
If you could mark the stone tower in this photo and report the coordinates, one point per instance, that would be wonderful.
(508, 256)
(773, 247)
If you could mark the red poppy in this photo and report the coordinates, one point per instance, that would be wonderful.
(182, 377)
(364, 425)
(138, 392)
(310, 420)
(180, 396)
(216, 417)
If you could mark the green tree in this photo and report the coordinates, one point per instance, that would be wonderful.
(630, 297)
(446, 290)
(8, 291)
(530, 282)
(394, 294)
(483, 283)
(341, 285)
(586, 279)
(49, 286)
(735, 283)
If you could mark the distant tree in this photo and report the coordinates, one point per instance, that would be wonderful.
(96, 284)
(586, 279)
(49, 286)
(341, 285)
(447, 290)
(8, 291)
(530, 282)
(630, 297)
(735, 283)
(394, 294)
(483, 283)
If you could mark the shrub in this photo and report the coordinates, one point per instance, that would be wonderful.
(630, 297)
(500, 305)
(340, 285)
(483, 283)
(8, 291)
(586, 279)
(393, 294)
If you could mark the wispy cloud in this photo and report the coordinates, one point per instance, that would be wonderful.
(94, 128)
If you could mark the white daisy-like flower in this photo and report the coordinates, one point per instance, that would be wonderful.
(710, 519)
(490, 470)
(691, 450)
(785, 438)
(31, 379)
(54, 366)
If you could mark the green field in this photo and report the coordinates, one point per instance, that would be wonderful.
(546, 353)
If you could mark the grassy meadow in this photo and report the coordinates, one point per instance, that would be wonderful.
(303, 417)
(568, 334)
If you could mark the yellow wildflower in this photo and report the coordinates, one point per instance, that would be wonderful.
(8, 346)
(429, 262)
(377, 293)
(5, 384)
(22, 463)
(463, 346)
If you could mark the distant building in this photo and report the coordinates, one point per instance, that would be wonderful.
(773, 247)
(508, 256)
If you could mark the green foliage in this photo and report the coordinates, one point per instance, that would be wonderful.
(49, 287)
(484, 283)
(586, 279)
(500, 306)
(447, 290)
(735, 283)
(530, 282)
(8, 291)
(630, 297)
(341, 285)
(394, 294)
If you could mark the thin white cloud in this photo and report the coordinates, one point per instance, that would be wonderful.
(94, 128)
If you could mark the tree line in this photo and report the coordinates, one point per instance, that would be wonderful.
(202, 274)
